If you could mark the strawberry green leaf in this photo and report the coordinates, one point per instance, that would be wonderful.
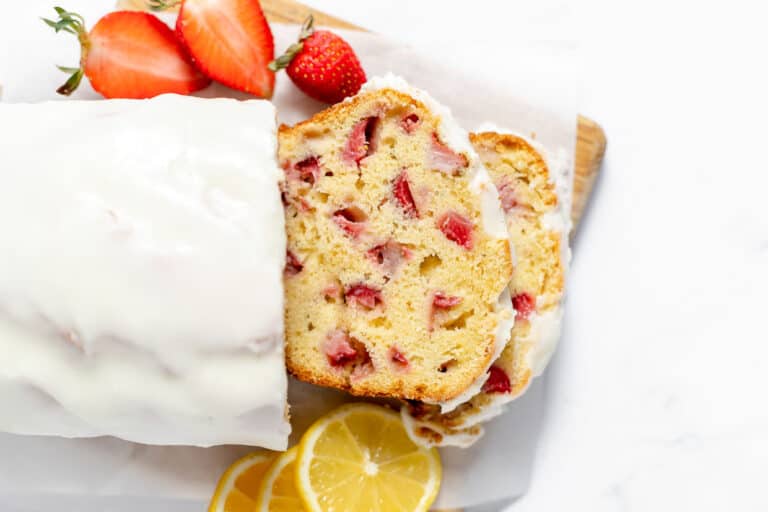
(74, 24)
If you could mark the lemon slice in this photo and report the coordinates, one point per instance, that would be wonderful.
(239, 485)
(278, 488)
(359, 457)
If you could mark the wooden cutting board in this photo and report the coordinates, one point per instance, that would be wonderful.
(590, 143)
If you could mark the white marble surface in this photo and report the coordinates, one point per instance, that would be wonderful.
(657, 395)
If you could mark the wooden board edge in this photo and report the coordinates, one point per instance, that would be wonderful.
(590, 150)
(289, 11)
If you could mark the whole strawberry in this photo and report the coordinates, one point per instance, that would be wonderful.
(322, 65)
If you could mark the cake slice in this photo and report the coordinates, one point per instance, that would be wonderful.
(398, 256)
(141, 271)
(536, 199)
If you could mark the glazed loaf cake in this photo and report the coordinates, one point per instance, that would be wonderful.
(538, 222)
(141, 271)
(398, 256)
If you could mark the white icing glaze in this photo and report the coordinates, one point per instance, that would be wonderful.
(544, 335)
(141, 270)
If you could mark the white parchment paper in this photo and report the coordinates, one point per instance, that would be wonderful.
(110, 474)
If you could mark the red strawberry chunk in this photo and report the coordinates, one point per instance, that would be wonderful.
(338, 349)
(498, 381)
(351, 220)
(507, 196)
(401, 189)
(389, 255)
(364, 366)
(409, 123)
(398, 358)
(456, 228)
(331, 291)
(292, 264)
(524, 304)
(443, 301)
(444, 159)
(308, 169)
(361, 141)
(363, 295)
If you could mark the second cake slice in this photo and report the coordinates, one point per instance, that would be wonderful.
(398, 255)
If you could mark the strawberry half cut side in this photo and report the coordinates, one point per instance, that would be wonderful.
(128, 54)
(231, 42)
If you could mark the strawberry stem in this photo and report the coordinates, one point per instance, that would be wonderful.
(74, 24)
(283, 61)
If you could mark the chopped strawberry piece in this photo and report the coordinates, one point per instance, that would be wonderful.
(389, 255)
(456, 228)
(364, 296)
(443, 301)
(444, 159)
(401, 189)
(230, 41)
(361, 142)
(398, 358)
(363, 368)
(507, 196)
(332, 291)
(351, 220)
(292, 264)
(308, 170)
(304, 205)
(409, 123)
(338, 349)
(498, 381)
(524, 304)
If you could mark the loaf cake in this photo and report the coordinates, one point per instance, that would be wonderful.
(537, 211)
(398, 255)
(141, 271)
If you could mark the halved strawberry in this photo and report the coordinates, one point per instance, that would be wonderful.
(128, 54)
(230, 41)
